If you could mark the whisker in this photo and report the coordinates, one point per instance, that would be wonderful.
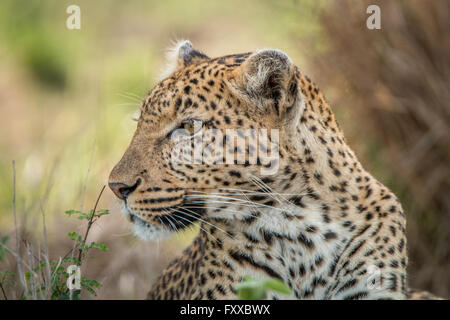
(197, 201)
(200, 219)
(162, 223)
(170, 222)
(177, 221)
(198, 226)
(233, 211)
(241, 191)
(265, 187)
(178, 232)
(237, 200)
(131, 96)
(127, 104)
(123, 234)
(243, 194)
(254, 206)
(260, 217)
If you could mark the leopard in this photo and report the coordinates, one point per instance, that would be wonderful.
(308, 214)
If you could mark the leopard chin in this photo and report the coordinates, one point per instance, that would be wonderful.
(164, 226)
(151, 232)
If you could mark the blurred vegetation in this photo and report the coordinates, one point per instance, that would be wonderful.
(67, 98)
(255, 289)
(395, 81)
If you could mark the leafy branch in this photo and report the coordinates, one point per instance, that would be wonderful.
(47, 279)
(92, 216)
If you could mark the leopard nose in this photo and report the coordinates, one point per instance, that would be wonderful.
(122, 190)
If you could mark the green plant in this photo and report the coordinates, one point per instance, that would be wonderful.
(5, 278)
(3, 250)
(7, 275)
(253, 289)
(83, 248)
(60, 276)
(48, 279)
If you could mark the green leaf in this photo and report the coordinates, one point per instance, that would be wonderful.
(74, 236)
(91, 291)
(90, 283)
(71, 212)
(99, 246)
(60, 296)
(4, 240)
(76, 295)
(100, 213)
(277, 285)
(253, 289)
(84, 216)
(252, 294)
(39, 267)
(8, 273)
(71, 260)
(84, 247)
(249, 283)
(3, 250)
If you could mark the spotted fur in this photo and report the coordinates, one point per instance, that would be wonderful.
(322, 223)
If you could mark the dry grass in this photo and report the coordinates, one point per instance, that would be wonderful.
(125, 271)
(394, 83)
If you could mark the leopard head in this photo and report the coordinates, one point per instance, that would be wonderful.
(212, 135)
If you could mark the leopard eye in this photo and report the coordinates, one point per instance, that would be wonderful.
(192, 126)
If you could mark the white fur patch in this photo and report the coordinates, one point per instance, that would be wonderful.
(146, 230)
(172, 59)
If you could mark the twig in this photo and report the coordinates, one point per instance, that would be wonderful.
(15, 255)
(83, 192)
(46, 254)
(83, 243)
(33, 275)
(3, 290)
(27, 244)
(90, 223)
(19, 262)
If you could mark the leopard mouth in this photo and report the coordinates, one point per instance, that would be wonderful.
(174, 219)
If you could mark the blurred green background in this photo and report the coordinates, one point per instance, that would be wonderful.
(67, 99)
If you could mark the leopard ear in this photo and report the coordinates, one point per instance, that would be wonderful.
(181, 56)
(267, 78)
